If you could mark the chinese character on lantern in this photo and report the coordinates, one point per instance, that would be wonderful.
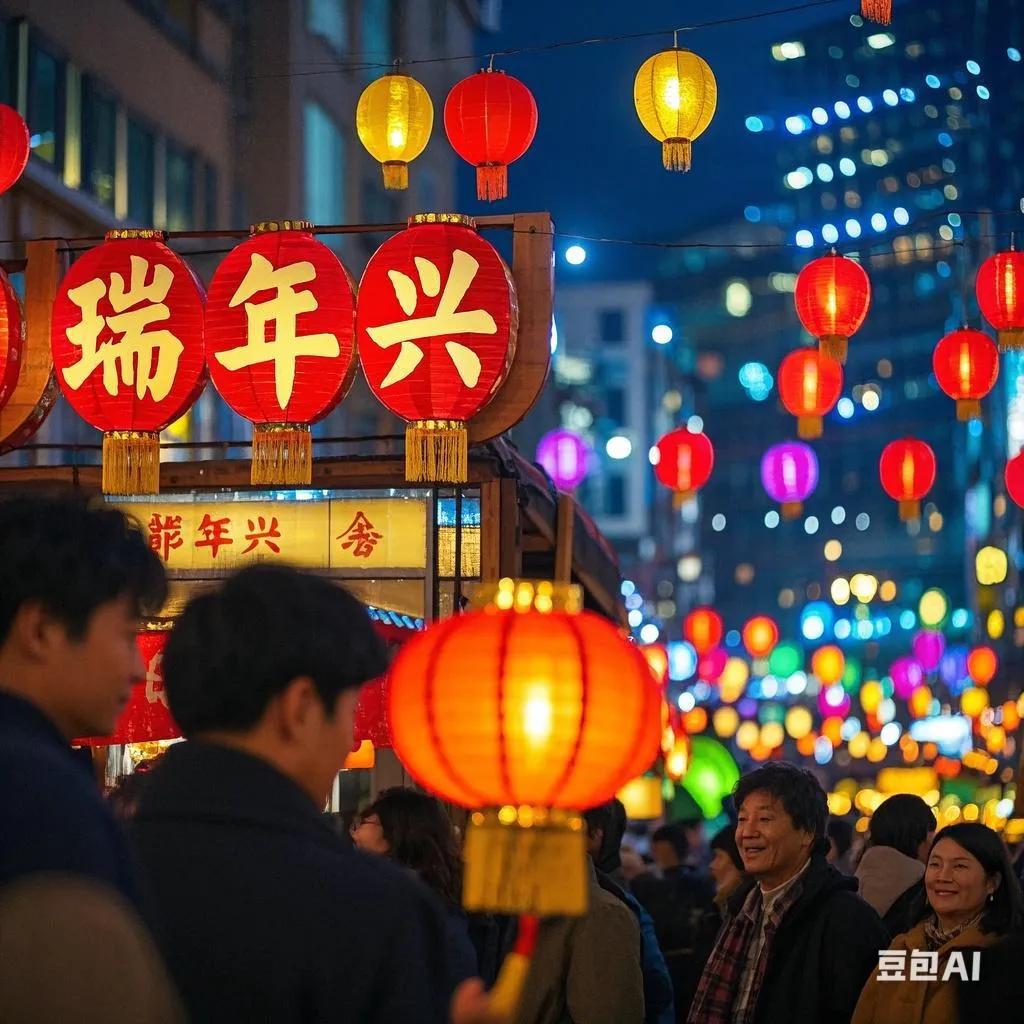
(215, 534)
(280, 330)
(437, 325)
(360, 537)
(127, 341)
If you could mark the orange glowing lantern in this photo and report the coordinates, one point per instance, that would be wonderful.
(920, 702)
(703, 628)
(1000, 290)
(1011, 716)
(809, 385)
(832, 298)
(966, 365)
(527, 711)
(828, 664)
(982, 665)
(362, 756)
(760, 635)
(656, 656)
(677, 760)
(832, 729)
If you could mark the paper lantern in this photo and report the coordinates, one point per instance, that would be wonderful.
(877, 10)
(760, 635)
(832, 298)
(12, 337)
(928, 647)
(146, 716)
(809, 385)
(675, 94)
(394, 118)
(656, 656)
(1014, 477)
(127, 343)
(982, 664)
(703, 629)
(1000, 290)
(907, 472)
(641, 797)
(966, 365)
(437, 325)
(683, 461)
(974, 701)
(789, 473)
(712, 774)
(532, 713)
(280, 338)
(677, 760)
(564, 455)
(907, 676)
(14, 146)
(490, 119)
(828, 663)
(362, 756)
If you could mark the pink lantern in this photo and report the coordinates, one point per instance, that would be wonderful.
(712, 664)
(907, 675)
(564, 455)
(789, 472)
(834, 700)
(929, 646)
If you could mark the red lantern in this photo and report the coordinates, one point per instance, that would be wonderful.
(760, 635)
(490, 119)
(1014, 476)
(14, 146)
(966, 365)
(437, 325)
(810, 385)
(982, 664)
(907, 471)
(12, 337)
(127, 341)
(146, 716)
(1000, 290)
(832, 298)
(683, 462)
(280, 338)
(877, 10)
(703, 628)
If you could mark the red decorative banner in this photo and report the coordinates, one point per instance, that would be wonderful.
(12, 338)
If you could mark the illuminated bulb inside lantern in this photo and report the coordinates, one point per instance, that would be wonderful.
(965, 367)
(396, 136)
(672, 93)
(537, 714)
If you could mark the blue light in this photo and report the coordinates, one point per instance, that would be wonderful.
(900, 215)
(830, 233)
(755, 375)
(945, 139)
(804, 239)
(845, 408)
(1013, 53)
(752, 214)
(732, 638)
(890, 97)
(865, 104)
(628, 587)
(842, 109)
(794, 124)
(865, 630)
(755, 124)
(847, 167)
(815, 619)
(575, 255)
(825, 173)
(983, 92)
(932, 80)
(943, 268)
(771, 519)
(823, 745)
(975, 428)
(974, 67)
(682, 660)
(878, 221)
(849, 728)
(907, 95)
(954, 220)
(853, 228)
(960, 618)
(819, 115)
(843, 629)
(907, 619)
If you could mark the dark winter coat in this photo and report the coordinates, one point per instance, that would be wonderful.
(826, 947)
(995, 996)
(264, 914)
(52, 815)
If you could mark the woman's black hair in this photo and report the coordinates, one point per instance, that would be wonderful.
(1004, 911)
(902, 821)
(421, 836)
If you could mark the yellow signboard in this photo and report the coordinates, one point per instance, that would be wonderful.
(342, 534)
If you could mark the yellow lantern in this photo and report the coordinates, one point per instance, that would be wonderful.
(394, 118)
(990, 565)
(973, 701)
(642, 798)
(675, 94)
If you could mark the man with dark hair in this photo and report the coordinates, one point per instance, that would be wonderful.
(839, 833)
(800, 943)
(265, 913)
(75, 580)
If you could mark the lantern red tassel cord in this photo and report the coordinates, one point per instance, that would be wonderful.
(507, 992)
(877, 10)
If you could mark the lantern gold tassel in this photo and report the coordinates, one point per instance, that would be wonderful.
(1011, 341)
(791, 509)
(131, 462)
(396, 175)
(834, 347)
(676, 154)
(809, 427)
(491, 182)
(680, 498)
(526, 860)
(877, 10)
(909, 510)
(282, 453)
(968, 409)
(436, 451)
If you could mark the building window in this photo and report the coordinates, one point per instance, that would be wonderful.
(45, 103)
(329, 19)
(611, 325)
(324, 166)
(615, 403)
(99, 143)
(141, 174)
(181, 188)
(211, 196)
(376, 44)
(615, 495)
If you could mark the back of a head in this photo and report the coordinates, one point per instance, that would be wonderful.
(610, 819)
(902, 822)
(71, 556)
(797, 790)
(725, 840)
(674, 835)
(237, 647)
(840, 832)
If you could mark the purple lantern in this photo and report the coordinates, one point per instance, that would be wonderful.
(953, 669)
(928, 647)
(833, 700)
(907, 676)
(564, 455)
(789, 472)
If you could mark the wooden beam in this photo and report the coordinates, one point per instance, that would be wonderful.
(511, 563)
(490, 530)
(563, 539)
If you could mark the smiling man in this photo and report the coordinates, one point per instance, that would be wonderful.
(801, 944)
(74, 582)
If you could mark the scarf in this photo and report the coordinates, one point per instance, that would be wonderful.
(937, 938)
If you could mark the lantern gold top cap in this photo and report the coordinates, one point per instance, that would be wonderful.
(442, 218)
(129, 234)
(542, 596)
(266, 226)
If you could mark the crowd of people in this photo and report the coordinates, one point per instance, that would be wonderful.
(220, 891)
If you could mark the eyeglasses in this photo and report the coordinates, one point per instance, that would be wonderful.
(358, 823)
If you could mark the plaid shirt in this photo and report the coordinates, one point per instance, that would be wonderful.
(728, 989)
